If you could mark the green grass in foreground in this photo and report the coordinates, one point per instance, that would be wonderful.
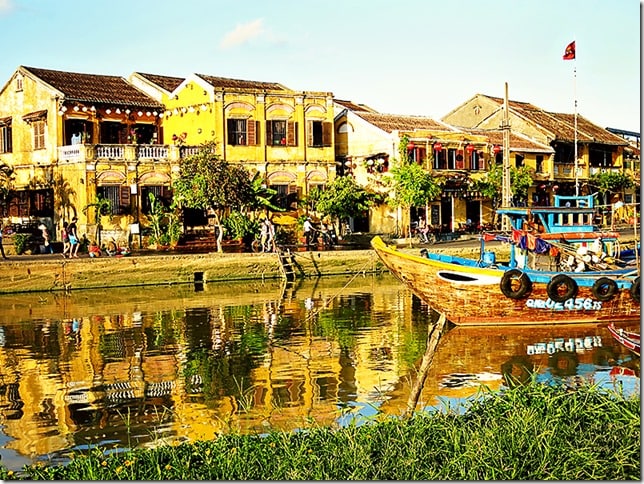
(533, 432)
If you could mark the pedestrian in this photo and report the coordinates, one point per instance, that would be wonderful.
(74, 242)
(46, 242)
(263, 235)
(64, 236)
(270, 236)
(308, 231)
(1, 247)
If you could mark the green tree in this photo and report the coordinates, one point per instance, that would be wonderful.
(6, 183)
(102, 208)
(411, 185)
(343, 198)
(208, 182)
(491, 186)
(609, 183)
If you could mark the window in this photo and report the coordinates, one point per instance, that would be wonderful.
(518, 160)
(39, 134)
(162, 194)
(539, 164)
(286, 196)
(440, 159)
(18, 84)
(276, 133)
(237, 135)
(319, 133)
(6, 144)
(119, 195)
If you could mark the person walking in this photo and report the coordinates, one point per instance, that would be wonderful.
(74, 242)
(308, 231)
(46, 238)
(64, 236)
(267, 235)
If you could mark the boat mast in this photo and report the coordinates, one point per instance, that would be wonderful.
(506, 192)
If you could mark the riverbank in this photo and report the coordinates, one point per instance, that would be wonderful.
(41, 273)
(531, 432)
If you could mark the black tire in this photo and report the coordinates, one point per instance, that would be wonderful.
(517, 371)
(635, 289)
(557, 283)
(563, 363)
(604, 289)
(509, 282)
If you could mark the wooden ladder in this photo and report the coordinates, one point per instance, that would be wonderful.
(288, 264)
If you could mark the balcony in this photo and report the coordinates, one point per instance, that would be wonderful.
(83, 153)
(567, 171)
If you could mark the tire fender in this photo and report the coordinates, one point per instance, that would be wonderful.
(510, 279)
(635, 289)
(561, 281)
(604, 289)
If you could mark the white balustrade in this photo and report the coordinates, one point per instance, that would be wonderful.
(112, 152)
(155, 152)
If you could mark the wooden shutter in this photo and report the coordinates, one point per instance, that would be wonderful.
(291, 133)
(327, 133)
(269, 132)
(125, 199)
(309, 133)
(250, 132)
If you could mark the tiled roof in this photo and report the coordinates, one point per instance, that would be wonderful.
(517, 142)
(392, 122)
(225, 82)
(562, 125)
(167, 83)
(354, 106)
(94, 88)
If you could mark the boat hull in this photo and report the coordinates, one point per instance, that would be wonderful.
(472, 295)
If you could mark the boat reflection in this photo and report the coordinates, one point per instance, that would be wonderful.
(145, 366)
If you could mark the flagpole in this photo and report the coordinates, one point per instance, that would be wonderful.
(575, 97)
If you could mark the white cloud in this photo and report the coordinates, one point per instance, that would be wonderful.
(242, 34)
(6, 6)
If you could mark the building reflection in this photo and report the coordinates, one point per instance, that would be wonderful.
(149, 366)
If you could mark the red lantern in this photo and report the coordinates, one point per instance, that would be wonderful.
(438, 146)
(469, 148)
(410, 146)
(496, 149)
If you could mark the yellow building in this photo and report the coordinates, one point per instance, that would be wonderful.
(368, 146)
(284, 135)
(558, 172)
(70, 137)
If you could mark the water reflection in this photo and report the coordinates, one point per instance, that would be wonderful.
(139, 367)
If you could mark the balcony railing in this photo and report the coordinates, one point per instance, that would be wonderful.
(81, 153)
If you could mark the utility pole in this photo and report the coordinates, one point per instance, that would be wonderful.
(506, 191)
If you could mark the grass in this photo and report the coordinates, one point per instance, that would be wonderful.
(532, 432)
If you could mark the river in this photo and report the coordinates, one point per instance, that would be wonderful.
(141, 367)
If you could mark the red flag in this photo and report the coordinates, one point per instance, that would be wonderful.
(570, 51)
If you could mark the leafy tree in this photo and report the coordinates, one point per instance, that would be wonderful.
(6, 183)
(63, 195)
(492, 185)
(261, 196)
(102, 208)
(412, 186)
(342, 198)
(210, 183)
(610, 182)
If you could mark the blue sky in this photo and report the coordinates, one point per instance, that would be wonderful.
(420, 57)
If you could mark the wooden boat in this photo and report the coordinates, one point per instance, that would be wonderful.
(574, 285)
(629, 339)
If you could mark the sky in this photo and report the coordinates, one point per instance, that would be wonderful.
(409, 57)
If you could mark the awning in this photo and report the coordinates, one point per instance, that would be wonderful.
(35, 116)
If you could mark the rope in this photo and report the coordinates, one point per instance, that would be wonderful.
(359, 272)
